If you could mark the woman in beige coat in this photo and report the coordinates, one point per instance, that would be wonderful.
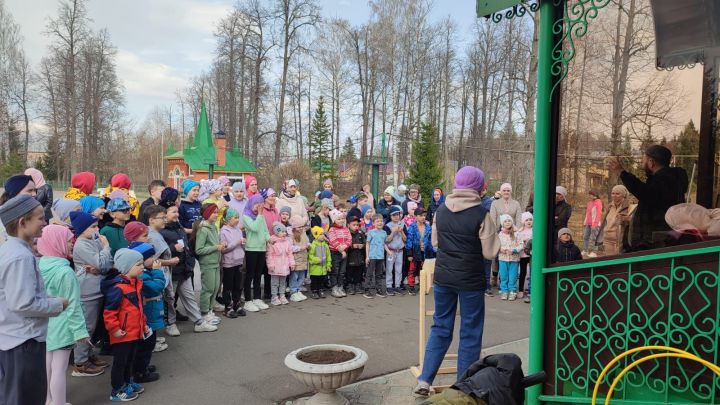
(616, 220)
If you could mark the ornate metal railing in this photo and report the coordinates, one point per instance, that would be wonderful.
(595, 311)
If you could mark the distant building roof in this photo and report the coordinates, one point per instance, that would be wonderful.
(201, 151)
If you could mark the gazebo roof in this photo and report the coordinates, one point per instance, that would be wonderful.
(685, 30)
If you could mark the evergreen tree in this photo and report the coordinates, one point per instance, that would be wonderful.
(348, 152)
(319, 143)
(687, 143)
(426, 170)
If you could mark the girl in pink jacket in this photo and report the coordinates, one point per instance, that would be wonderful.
(279, 261)
(591, 226)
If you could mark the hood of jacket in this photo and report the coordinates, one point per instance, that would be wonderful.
(462, 199)
(49, 267)
(113, 278)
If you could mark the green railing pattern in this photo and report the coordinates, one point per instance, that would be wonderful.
(605, 308)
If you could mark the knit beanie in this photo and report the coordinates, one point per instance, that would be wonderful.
(145, 249)
(15, 184)
(412, 205)
(316, 231)
(208, 210)
(134, 230)
(168, 197)
(353, 219)
(390, 190)
(286, 209)
(297, 221)
(326, 194)
(125, 259)
(230, 214)
(90, 203)
(326, 203)
(81, 221)
(335, 215)
(188, 185)
(620, 189)
(505, 217)
(277, 227)
(525, 216)
(563, 231)
(17, 207)
(470, 178)
(364, 209)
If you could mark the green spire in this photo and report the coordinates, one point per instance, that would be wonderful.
(203, 135)
(170, 150)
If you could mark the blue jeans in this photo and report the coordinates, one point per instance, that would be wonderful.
(297, 278)
(472, 321)
(487, 264)
(508, 276)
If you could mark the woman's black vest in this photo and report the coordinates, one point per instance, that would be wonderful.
(459, 262)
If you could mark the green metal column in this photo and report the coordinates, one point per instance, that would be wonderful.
(375, 179)
(542, 192)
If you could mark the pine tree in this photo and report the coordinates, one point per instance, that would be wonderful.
(688, 143)
(426, 170)
(319, 143)
(348, 152)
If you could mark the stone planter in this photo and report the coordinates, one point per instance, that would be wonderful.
(326, 378)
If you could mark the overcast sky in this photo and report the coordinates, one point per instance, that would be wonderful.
(162, 43)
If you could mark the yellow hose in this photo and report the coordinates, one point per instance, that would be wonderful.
(677, 353)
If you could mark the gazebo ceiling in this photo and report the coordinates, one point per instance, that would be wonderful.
(685, 31)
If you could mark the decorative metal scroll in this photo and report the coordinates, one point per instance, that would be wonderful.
(602, 312)
(516, 11)
(681, 61)
(572, 26)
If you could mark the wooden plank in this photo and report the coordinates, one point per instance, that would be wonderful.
(415, 371)
(447, 370)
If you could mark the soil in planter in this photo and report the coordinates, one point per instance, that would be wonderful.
(326, 356)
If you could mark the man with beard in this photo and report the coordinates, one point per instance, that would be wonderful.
(665, 187)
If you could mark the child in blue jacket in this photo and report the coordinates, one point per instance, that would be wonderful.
(153, 305)
(418, 246)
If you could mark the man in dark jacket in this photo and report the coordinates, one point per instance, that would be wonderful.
(463, 234)
(665, 186)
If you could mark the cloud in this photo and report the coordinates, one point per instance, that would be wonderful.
(150, 79)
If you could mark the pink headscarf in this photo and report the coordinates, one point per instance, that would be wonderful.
(249, 179)
(54, 241)
(37, 176)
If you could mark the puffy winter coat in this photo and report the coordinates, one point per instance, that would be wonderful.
(279, 256)
(319, 258)
(356, 257)
(153, 284)
(412, 244)
(300, 251)
(173, 232)
(123, 309)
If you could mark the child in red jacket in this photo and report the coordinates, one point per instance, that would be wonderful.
(125, 321)
(340, 240)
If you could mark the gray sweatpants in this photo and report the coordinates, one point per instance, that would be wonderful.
(394, 262)
(169, 297)
(91, 312)
(277, 285)
(186, 298)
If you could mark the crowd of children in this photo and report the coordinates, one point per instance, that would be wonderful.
(124, 270)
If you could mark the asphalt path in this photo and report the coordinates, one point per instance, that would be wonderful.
(242, 363)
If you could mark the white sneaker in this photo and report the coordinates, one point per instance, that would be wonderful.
(295, 297)
(160, 339)
(275, 301)
(250, 307)
(211, 319)
(219, 307)
(172, 330)
(160, 347)
(260, 304)
(302, 296)
(512, 297)
(504, 296)
(205, 327)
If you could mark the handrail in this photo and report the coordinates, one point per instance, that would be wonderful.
(633, 259)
